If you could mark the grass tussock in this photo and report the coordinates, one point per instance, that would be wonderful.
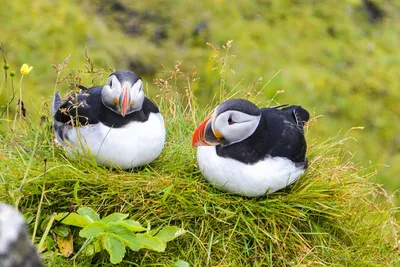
(333, 57)
(332, 216)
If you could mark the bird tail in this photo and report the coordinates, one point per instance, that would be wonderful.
(300, 113)
(56, 103)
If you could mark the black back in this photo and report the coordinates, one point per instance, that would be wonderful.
(279, 134)
(86, 107)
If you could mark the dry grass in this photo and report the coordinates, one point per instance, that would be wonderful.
(334, 215)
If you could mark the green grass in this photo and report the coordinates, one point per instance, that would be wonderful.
(328, 56)
(334, 215)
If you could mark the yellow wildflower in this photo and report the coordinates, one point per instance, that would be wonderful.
(25, 69)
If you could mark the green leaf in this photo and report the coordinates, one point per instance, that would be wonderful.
(180, 263)
(125, 235)
(50, 244)
(115, 248)
(169, 233)
(93, 230)
(132, 225)
(115, 217)
(44, 223)
(62, 231)
(74, 219)
(90, 213)
(97, 246)
(89, 250)
(150, 242)
(93, 248)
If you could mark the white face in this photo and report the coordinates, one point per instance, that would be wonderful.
(234, 126)
(122, 98)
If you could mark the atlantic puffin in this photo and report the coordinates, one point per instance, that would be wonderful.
(115, 124)
(16, 249)
(250, 151)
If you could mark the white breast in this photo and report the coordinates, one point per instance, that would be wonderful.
(135, 144)
(270, 174)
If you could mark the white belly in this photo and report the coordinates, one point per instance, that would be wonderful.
(133, 145)
(268, 175)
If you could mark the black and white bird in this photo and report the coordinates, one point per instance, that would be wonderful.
(250, 151)
(115, 123)
(16, 249)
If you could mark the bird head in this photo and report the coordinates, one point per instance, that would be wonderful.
(232, 121)
(16, 248)
(123, 92)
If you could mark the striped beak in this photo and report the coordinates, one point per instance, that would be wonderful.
(125, 100)
(204, 135)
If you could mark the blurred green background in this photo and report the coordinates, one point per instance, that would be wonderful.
(339, 59)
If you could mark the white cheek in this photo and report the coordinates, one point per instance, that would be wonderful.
(243, 128)
(235, 132)
(138, 101)
(221, 124)
(137, 96)
(107, 95)
(231, 132)
(116, 83)
(136, 92)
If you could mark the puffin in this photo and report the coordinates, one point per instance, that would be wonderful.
(16, 249)
(249, 151)
(116, 124)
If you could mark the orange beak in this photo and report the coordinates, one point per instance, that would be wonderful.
(199, 134)
(124, 103)
(203, 135)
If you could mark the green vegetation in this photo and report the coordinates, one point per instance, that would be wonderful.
(114, 232)
(329, 57)
(331, 216)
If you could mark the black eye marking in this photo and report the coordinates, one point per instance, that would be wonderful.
(111, 83)
(230, 121)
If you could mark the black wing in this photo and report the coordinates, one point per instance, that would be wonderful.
(149, 106)
(80, 108)
(285, 135)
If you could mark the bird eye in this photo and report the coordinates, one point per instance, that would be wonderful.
(111, 83)
(230, 121)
